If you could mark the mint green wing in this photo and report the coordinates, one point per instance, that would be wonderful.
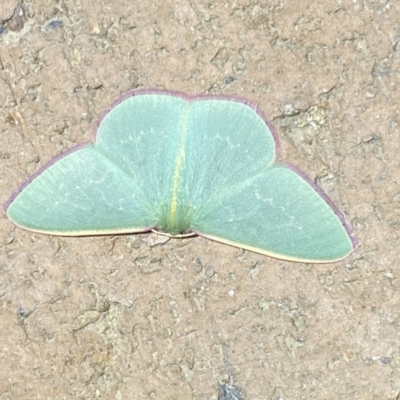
(141, 136)
(118, 184)
(225, 142)
(277, 213)
(82, 193)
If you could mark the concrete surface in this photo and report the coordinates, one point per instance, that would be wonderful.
(132, 317)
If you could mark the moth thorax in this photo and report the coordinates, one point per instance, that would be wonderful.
(175, 218)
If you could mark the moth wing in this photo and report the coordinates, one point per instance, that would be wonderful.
(277, 213)
(81, 193)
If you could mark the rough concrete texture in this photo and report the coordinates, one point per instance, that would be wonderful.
(133, 317)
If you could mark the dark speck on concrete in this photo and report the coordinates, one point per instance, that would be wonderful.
(228, 80)
(2, 29)
(56, 24)
(385, 360)
(229, 392)
(17, 21)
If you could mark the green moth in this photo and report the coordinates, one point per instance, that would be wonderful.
(182, 165)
